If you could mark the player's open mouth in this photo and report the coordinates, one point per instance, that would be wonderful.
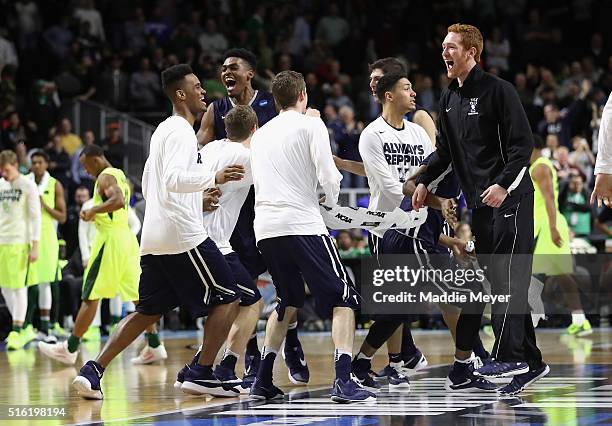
(449, 65)
(230, 83)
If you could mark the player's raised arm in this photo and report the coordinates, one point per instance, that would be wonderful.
(206, 133)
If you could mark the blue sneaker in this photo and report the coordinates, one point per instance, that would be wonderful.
(350, 391)
(296, 364)
(87, 383)
(180, 376)
(461, 378)
(251, 365)
(200, 380)
(262, 393)
(227, 376)
(502, 369)
(361, 372)
(397, 379)
(520, 382)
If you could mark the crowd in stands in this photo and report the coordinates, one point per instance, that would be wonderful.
(54, 53)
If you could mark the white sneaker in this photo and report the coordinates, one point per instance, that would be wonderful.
(149, 355)
(59, 352)
(47, 338)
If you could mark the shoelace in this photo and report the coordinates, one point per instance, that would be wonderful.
(400, 372)
(477, 362)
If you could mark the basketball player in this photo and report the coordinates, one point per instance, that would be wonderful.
(552, 253)
(48, 271)
(290, 156)
(603, 165)
(476, 109)
(19, 236)
(237, 74)
(114, 263)
(180, 264)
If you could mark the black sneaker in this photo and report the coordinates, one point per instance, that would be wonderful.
(350, 391)
(227, 376)
(296, 364)
(251, 365)
(502, 369)
(361, 371)
(521, 381)
(261, 392)
(87, 383)
(180, 376)
(200, 380)
(461, 378)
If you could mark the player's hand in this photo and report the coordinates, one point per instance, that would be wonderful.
(494, 196)
(33, 256)
(322, 200)
(211, 199)
(556, 237)
(311, 112)
(230, 173)
(419, 196)
(603, 190)
(449, 211)
(87, 215)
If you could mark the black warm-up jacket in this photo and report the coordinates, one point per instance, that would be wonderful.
(484, 133)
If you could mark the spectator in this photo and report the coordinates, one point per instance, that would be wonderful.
(14, 132)
(8, 54)
(29, 24)
(80, 177)
(145, 87)
(565, 169)
(59, 160)
(86, 12)
(59, 37)
(554, 123)
(212, 41)
(85, 72)
(332, 29)
(135, 32)
(574, 204)
(603, 220)
(113, 85)
(497, 49)
(346, 137)
(425, 94)
(300, 37)
(114, 148)
(337, 98)
(69, 230)
(43, 110)
(8, 89)
(69, 141)
(582, 156)
(347, 246)
(316, 97)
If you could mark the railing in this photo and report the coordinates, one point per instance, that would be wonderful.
(135, 134)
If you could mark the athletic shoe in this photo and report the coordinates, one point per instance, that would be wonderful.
(397, 379)
(87, 383)
(180, 376)
(415, 363)
(461, 378)
(199, 380)
(251, 365)
(92, 334)
(47, 338)
(15, 341)
(227, 376)
(520, 382)
(58, 331)
(28, 334)
(502, 369)
(262, 393)
(350, 391)
(296, 364)
(59, 352)
(361, 372)
(150, 355)
(581, 330)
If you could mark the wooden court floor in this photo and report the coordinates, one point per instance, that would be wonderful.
(578, 390)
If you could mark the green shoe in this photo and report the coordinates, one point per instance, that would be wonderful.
(92, 334)
(15, 341)
(58, 331)
(28, 334)
(581, 330)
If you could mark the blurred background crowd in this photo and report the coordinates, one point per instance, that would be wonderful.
(55, 53)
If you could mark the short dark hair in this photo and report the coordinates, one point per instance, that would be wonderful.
(40, 153)
(92, 151)
(171, 76)
(239, 122)
(388, 65)
(286, 88)
(538, 142)
(244, 54)
(386, 83)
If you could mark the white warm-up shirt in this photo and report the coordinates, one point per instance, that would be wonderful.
(290, 156)
(172, 185)
(20, 213)
(217, 155)
(391, 156)
(603, 163)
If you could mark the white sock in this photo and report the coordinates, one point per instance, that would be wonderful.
(20, 304)
(361, 355)
(267, 350)
(339, 352)
(292, 325)
(98, 318)
(114, 306)
(9, 298)
(227, 352)
(44, 296)
(130, 307)
(463, 361)
(578, 317)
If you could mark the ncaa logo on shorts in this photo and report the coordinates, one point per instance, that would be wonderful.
(473, 105)
(263, 102)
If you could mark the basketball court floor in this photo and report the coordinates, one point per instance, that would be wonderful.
(578, 390)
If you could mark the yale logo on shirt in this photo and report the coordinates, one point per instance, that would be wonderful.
(473, 105)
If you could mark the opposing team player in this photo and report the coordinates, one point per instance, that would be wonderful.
(114, 263)
(290, 156)
(180, 264)
(237, 74)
